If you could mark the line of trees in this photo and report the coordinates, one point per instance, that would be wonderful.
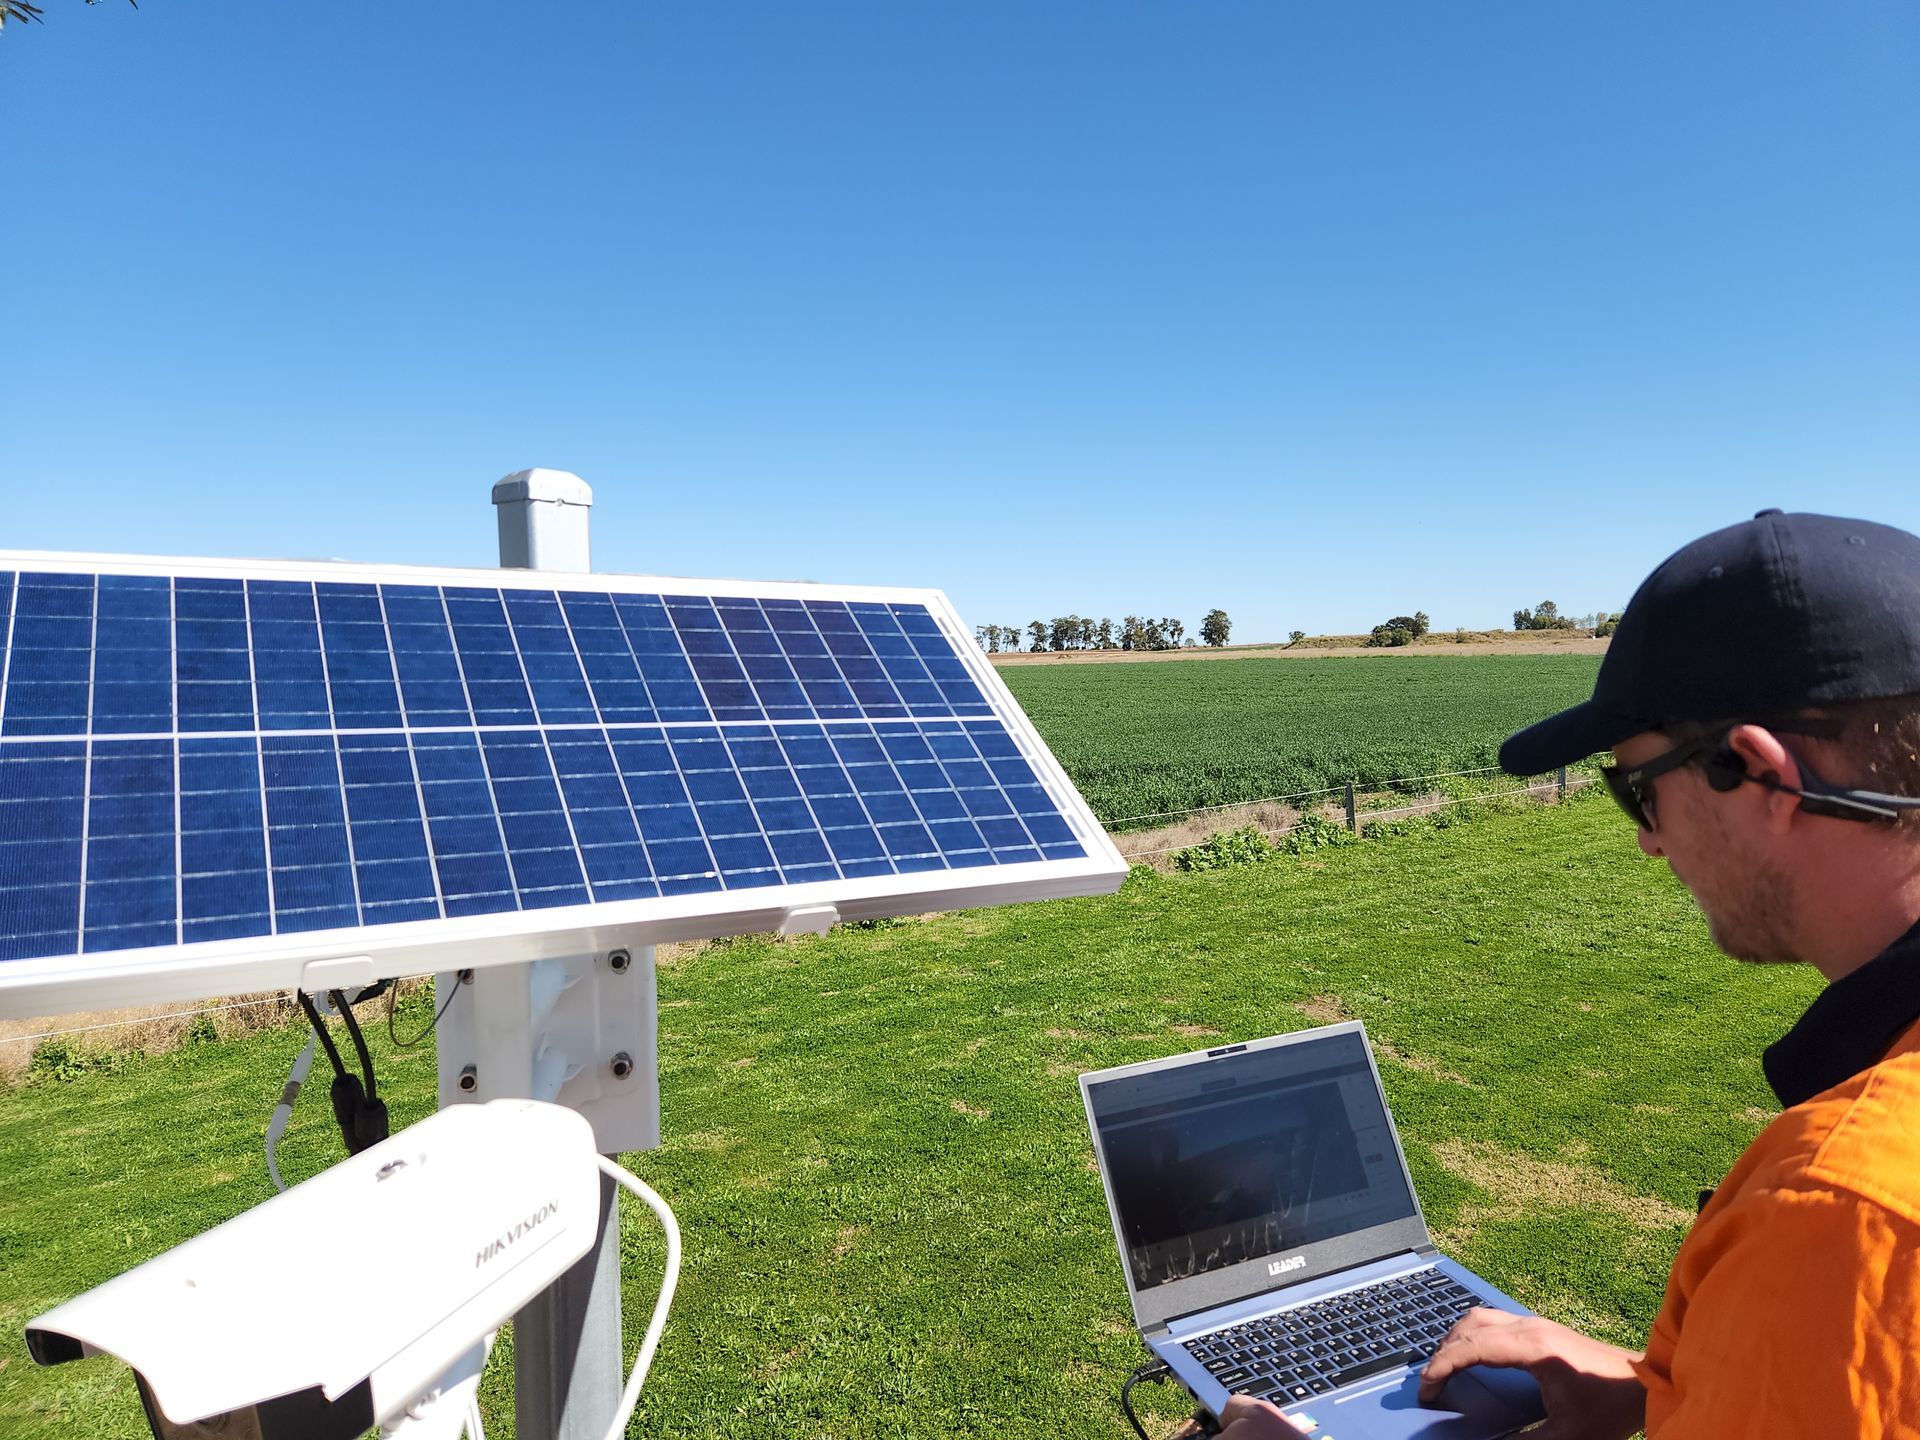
(1546, 616)
(1081, 632)
(1144, 632)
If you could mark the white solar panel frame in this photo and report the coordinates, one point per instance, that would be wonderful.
(57, 985)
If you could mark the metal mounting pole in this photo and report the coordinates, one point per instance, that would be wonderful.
(566, 1343)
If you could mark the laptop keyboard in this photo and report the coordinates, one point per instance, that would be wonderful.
(1312, 1349)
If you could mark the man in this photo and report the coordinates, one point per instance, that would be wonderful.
(1762, 702)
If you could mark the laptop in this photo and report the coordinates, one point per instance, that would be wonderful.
(1273, 1246)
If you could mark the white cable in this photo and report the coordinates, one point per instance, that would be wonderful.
(283, 1112)
(650, 1341)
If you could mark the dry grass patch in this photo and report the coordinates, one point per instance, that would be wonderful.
(844, 1242)
(1155, 846)
(1060, 1034)
(772, 1367)
(712, 1141)
(1195, 1032)
(972, 1112)
(666, 957)
(149, 1029)
(1322, 1009)
(1420, 1065)
(1520, 1185)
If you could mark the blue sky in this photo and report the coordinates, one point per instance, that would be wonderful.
(1318, 313)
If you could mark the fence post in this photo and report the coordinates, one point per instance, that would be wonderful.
(1353, 822)
(1560, 784)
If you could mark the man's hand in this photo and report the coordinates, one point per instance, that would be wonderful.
(1589, 1387)
(1246, 1418)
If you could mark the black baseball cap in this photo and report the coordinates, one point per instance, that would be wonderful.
(1758, 621)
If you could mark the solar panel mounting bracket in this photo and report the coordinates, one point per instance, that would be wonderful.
(354, 972)
(578, 1030)
(810, 920)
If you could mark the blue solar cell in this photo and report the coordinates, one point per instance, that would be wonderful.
(489, 662)
(133, 656)
(940, 804)
(198, 597)
(213, 673)
(359, 657)
(904, 744)
(392, 868)
(309, 856)
(684, 867)
(734, 853)
(892, 807)
(425, 664)
(464, 829)
(539, 840)
(223, 858)
(547, 655)
(42, 825)
(49, 656)
(612, 673)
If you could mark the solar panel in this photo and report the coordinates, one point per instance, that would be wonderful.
(213, 772)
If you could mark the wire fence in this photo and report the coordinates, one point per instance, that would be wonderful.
(282, 999)
(1299, 795)
(1562, 784)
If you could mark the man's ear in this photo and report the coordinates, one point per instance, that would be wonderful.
(1772, 764)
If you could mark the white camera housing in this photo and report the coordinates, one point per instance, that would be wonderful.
(253, 1329)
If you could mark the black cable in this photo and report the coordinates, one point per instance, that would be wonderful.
(361, 1115)
(359, 1041)
(459, 979)
(320, 1029)
(1153, 1372)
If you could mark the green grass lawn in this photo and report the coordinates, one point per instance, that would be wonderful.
(876, 1148)
(1170, 735)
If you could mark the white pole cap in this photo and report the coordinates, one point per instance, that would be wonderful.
(543, 520)
(561, 487)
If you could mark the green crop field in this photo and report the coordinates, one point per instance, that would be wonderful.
(875, 1143)
(1148, 737)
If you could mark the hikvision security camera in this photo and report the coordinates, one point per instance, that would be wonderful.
(248, 1329)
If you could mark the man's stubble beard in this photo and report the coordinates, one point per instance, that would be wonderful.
(1753, 920)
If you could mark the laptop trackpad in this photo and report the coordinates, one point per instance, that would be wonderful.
(1466, 1410)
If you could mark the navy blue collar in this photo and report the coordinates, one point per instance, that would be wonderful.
(1851, 1026)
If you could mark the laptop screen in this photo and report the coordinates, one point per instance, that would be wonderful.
(1247, 1154)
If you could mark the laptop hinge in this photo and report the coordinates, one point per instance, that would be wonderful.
(1422, 1253)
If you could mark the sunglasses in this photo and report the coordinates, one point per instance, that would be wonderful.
(1632, 789)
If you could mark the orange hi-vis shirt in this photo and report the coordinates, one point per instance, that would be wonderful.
(1793, 1308)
